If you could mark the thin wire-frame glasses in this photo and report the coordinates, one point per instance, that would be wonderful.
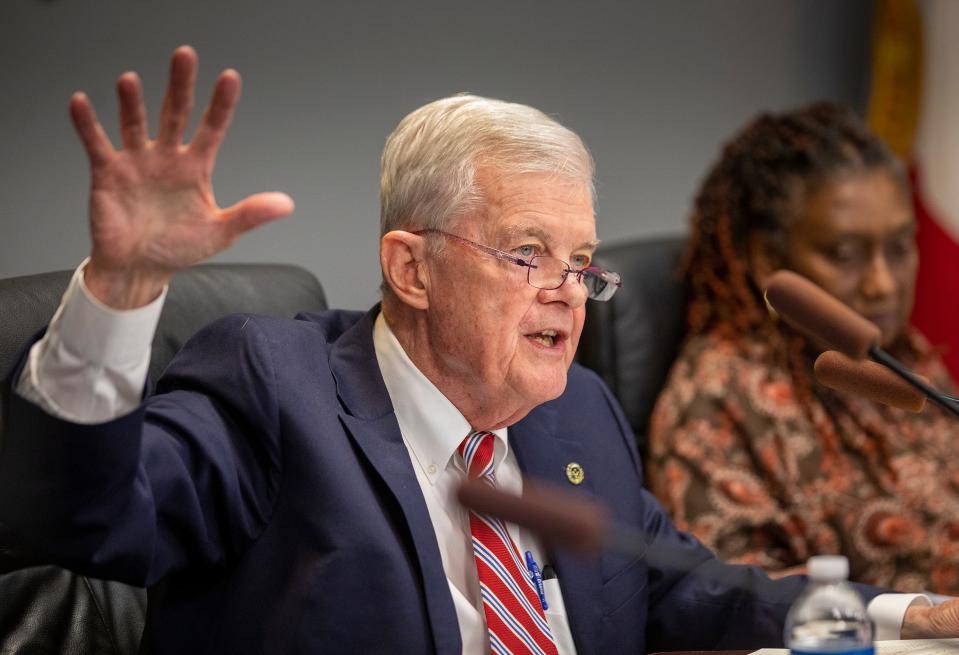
(545, 272)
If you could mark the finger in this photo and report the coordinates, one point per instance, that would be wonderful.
(254, 211)
(92, 135)
(133, 115)
(216, 119)
(178, 101)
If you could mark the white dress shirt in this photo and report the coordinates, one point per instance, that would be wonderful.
(432, 430)
(92, 363)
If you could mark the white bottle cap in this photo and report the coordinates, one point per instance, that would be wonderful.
(828, 567)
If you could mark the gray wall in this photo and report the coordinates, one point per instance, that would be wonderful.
(654, 87)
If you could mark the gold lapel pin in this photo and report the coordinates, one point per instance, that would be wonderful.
(575, 473)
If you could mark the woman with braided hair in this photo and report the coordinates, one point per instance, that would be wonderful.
(747, 450)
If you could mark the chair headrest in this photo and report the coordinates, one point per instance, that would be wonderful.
(196, 297)
(632, 340)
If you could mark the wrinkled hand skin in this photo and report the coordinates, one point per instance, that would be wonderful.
(937, 622)
(152, 208)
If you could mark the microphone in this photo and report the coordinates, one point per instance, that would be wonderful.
(867, 379)
(555, 515)
(583, 525)
(810, 309)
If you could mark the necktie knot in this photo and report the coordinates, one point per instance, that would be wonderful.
(477, 453)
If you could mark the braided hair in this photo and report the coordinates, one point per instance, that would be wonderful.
(764, 174)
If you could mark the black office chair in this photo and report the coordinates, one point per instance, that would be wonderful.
(45, 609)
(632, 340)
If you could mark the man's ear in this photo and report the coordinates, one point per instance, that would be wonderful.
(762, 256)
(403, 261)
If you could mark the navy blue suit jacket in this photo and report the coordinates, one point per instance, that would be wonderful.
(265, 495)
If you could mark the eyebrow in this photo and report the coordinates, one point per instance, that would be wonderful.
(909, 228)
(516, 231)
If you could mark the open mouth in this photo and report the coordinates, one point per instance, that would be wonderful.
(547, 338)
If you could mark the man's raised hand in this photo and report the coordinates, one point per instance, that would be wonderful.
(152, 209)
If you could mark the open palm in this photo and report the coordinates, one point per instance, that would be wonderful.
(152, 209)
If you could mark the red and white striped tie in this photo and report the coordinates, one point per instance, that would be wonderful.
(514, 614)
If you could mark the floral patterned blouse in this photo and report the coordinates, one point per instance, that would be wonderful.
(736, 460)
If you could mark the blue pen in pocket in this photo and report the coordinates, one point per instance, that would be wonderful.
(537, 579)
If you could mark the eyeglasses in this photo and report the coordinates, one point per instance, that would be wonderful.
(544, 272)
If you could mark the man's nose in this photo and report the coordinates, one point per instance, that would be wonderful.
(572, 291)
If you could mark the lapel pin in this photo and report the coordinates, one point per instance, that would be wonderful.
(575, 473)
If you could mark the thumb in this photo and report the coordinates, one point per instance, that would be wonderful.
(255, 210)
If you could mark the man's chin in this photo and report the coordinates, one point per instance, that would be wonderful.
(548, 389)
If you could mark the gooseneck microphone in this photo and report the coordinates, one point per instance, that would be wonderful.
(560, 518)
(867, 379)
(810, 309)
(556, 516)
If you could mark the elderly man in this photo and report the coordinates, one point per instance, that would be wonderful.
(290, 486)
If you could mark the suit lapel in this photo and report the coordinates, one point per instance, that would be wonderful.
(368, 416)
(542, 454)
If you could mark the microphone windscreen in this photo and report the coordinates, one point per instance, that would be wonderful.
(810, 309)
(572, 521)
(555, 515)
(868, 380)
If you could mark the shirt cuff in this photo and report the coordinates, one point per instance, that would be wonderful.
(100, 335)
(888, 610)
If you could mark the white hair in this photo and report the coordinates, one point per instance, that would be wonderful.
(429, 163)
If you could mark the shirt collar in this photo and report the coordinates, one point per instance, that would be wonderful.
(430, 424)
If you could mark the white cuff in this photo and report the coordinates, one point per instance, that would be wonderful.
(91, 364)
(100, 335)
(888, 610)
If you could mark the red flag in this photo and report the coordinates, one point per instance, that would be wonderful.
(914, 106)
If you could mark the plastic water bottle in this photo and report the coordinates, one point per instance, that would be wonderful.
(829, 616)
